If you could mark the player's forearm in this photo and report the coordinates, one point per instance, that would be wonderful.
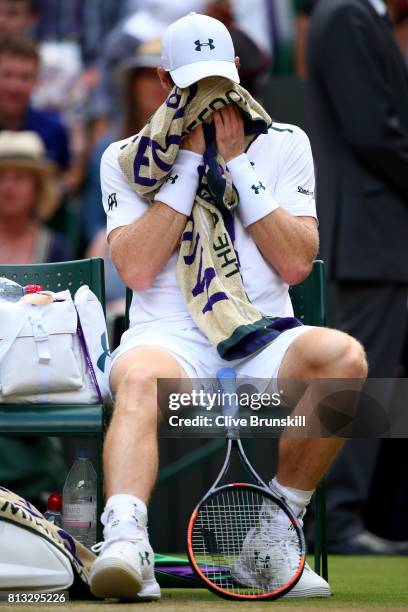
(288, 243)
(141, 250)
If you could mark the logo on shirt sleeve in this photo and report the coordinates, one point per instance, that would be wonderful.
(257, 188)
(112, 201)
(305, 191)
(173, 178)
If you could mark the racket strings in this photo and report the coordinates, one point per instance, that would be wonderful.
(237, 547)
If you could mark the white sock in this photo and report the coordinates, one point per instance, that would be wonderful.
(297, 499)
(125, 516)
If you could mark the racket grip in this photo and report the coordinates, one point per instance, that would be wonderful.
(227, 379)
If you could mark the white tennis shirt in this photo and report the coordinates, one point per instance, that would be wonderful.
(282, 159)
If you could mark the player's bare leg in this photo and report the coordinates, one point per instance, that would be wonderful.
(316, 354)
(125, 567)
(130, 451)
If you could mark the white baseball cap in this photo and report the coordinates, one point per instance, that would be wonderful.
(198, 46)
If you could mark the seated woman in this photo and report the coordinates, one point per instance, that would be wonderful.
(141, 95)
(30, 466)
(27, 200)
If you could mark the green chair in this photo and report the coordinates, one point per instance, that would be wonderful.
(59, 420)
(309, 303)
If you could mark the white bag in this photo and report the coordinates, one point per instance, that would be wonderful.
(31, 563)
(54, 353)
(36, 554)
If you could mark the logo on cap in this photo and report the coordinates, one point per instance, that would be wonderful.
(199, 44)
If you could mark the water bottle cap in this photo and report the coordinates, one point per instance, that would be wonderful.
(82, 453)
(55, 502)
(32, 288)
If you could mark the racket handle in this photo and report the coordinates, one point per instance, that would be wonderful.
(227, 379)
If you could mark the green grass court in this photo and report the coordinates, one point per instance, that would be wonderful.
(359, 583)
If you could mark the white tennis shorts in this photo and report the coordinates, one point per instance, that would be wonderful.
(199, 358)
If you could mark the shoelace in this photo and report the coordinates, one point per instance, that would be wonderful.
(281, 536)
(100, 546)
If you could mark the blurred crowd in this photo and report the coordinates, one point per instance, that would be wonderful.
(76, 75)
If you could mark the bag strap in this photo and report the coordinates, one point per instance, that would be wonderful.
(87, 357)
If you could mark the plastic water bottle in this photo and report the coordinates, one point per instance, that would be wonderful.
(11, 291)
(79, 499)
(54, 508)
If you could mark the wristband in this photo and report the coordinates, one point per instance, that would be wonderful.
(255, 202)
(179, 189)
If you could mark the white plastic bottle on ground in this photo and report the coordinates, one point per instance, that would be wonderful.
(79, 499)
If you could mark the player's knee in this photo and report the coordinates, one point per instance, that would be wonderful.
(352, 361)
(332, 353)
(341, 356)
(139, 383)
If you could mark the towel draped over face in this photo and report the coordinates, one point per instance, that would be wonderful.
(208, 269)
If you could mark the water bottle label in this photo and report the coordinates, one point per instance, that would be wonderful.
(79, 515)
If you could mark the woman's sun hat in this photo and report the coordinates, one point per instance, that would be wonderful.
(26, 150)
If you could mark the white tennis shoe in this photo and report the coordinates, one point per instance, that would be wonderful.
(124, 570)
(270, 556)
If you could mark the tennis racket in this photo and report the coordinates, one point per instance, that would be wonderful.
(229, 543)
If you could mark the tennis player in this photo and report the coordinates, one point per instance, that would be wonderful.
(276, 238)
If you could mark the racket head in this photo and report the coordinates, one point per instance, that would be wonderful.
(215, 538)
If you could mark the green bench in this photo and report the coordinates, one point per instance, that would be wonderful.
(57, 419)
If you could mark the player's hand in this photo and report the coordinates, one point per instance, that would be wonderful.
(194, 141)
(229, 132)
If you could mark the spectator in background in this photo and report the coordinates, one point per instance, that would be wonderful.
(254, 61)
(61, 90)
(83, 25)
(27, 200)
(398, 10)
(141, 95)
(33, 467)
(60, 86)
(270, 24)
(148, 22)
(85, 22)
(305, 8)
(253, 18)
(401, 26)
(18, 17)
(19, 64)
(359, 103)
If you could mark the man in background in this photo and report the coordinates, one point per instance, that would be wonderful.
(19, 63)
(17, 17)
(359, 105)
